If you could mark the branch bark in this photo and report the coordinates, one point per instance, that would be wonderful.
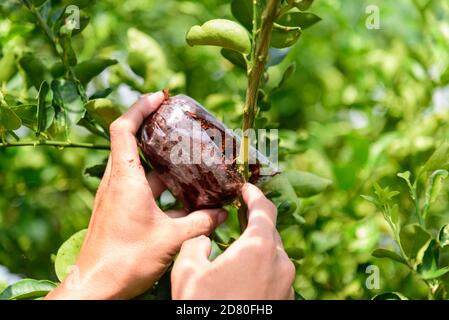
(56, 144)
(259, 55)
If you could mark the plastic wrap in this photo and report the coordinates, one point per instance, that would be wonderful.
(193, 153)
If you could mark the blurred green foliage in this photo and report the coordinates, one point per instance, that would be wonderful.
(363, 105)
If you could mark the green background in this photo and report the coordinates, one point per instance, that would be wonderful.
(362, 106)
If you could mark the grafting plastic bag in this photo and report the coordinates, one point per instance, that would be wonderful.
(194, 154)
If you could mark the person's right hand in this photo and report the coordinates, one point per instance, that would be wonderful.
(255, 267)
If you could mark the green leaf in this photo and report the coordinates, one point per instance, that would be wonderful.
(145, 56)
(384, 253)
(27, 114)
(299, 296)
(27, 289)
(96, 171)
(87, 122)
(443, 236)
(303, 20)
(69, 55)
(435, 273)
(242, 10)
(263, 101)
(101, 94)
(384, 195)
(415, 241)
(56, 88)
(406, 176)
(295, 253)
(45, 114)
(371, 199)
(8, 118)
(279, 190)
(103, 111)
(302, 4)
(429, 268)
(79, 3)
(83, 23)
(38, 3)
(394, 214)
(59, 127)
(68, 253)
(307, 184)
(438, 160)
(390, 296)
(222, 33)
(87, 70)
(284, 36)
(8, 66)
(34, 69)
(234, 57)
(434, 185)
(276, 56)
(57, 70)
(287, 74)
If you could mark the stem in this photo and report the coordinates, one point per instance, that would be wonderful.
(57, 144)
(261, 43)
(421, 219)
(255, 73)
(53, 41)
(242, 215)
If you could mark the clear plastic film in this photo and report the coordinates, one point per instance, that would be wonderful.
(195, 155)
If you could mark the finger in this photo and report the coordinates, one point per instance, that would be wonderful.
(291, 295)
(103, 183)
(156, 184)
(196, 250)
(201, 222)
(261, 211)
(175, 214)
(278, 239)
(123, 142)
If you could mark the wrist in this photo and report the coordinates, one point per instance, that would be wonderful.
(90, 284)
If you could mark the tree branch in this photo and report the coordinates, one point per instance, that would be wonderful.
(53, 41)
(56, 144)
(259, 55)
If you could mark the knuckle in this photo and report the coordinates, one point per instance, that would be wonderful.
(289, 270)
(187, 244)
(255, 249)
(184, 265)
(270, 206)
(206, 223)
(270, 244)
(117, 127)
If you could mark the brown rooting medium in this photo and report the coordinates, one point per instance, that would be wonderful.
(167, 137)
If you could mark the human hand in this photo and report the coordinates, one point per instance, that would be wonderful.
(130, 242)
(253, 267)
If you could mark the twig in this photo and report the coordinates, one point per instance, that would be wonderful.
(57, 144)
(53, 41)
(261, 44)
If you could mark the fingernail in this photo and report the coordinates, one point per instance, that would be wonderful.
(245, 187)
(145, 95)
(222, 216)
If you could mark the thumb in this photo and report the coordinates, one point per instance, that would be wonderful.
(197, 249)
(192, 257)
(201, 222)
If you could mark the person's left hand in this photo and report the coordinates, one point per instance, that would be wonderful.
(130, 242)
